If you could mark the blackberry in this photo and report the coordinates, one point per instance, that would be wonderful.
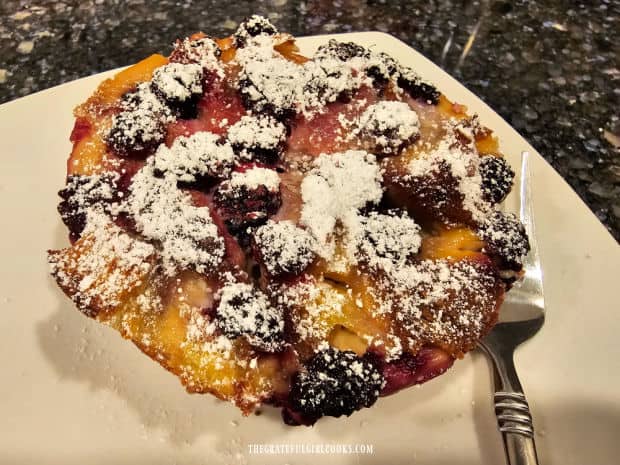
(258, 138)
(497, 177)
(386, 127)
(135, 134)
(382, 68)
(142, 99)
(248, 198)
(417, 88)
(275, 98)
(505, 239)
(343, 51)
(180, 87)
(81, 193)
(387, 240)
(327, 81)
(203, 51)
(195, 160)
(253, 26)
(283, 248)
(335, 383)
(244, 311)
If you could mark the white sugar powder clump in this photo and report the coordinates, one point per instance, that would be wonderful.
(278, 85)
(389, 125)
(254, 177)
(108, 262)
(384, 241)
(178, 81)
(257, 131)
(334, 191)
(253, 27)
(136, 130)
(200, 154)
(284, 247)
(186, 233)
(203, 52)
(270, 81)
(325, 81)
(245, 311)
(144, 102)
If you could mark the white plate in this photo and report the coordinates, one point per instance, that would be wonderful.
(73, 392)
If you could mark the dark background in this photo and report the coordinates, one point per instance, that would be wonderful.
(550, 68)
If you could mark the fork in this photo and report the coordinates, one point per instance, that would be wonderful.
(522, 315)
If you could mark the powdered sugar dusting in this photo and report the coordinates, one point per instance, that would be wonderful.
(462, 162)
(257, 131)
(388, 126)
(505, 236)
(178, 81)
(334, 191)
(108, 262)
(324, 81)
(144, 102)
(267, 79)
(137, 129)
(203, 52)
(187, 234)
(440, 302)
(252, 27)
(199, 155)
(384, 241)
(254, 177)
(284, 247)
(245, 311)
(348, 269)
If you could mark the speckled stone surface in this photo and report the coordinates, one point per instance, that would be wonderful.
(550, 68)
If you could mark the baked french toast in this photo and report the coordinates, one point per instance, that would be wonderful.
(306, 232)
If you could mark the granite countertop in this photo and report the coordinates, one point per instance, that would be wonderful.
(550, 68)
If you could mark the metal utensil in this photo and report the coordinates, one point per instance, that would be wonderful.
(522, 315)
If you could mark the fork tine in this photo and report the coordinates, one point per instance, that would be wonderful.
(532, 282)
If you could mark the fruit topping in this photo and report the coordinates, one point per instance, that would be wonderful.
(143, 100)
(258, 138)
(386, 128)
(497, 177)
(253, 26)
(203, 51)
(245, 311)
(327, 80)
(248, 198)
(382, 68)
(81, 193)
(196, 158)
(179, 86)
(283, 248)
(416, 87)
(409, 370)
(386, 240)
(335, 383)
(268, 83)
(505, 238)
(343, 51)
(135, 134)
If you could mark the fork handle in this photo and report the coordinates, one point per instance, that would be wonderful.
(513, 414)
